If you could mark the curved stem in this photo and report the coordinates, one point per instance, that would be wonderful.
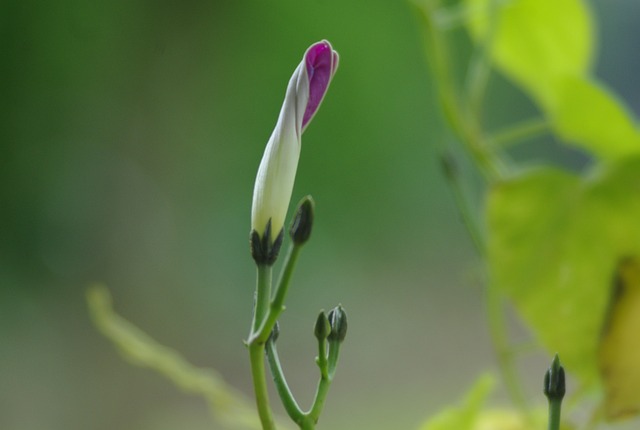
(288, 401)
(318, 402)
(326, 377)
(464, 125)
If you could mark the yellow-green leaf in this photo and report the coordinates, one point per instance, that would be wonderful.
(554, 243)
(590, 116)
(619, 353)
(536, 41)
(470, 415)
(465, 416)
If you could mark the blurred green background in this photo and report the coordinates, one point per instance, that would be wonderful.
(131, 134)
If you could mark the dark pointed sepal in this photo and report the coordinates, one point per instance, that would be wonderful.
(263, 250)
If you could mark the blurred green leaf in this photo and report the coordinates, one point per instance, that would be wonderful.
(228, 406)
(546, 46)
(619, 352)
(536, 41)
(555, 240)
(470, 415)
(506, 419)
(463, 417)
(589, 115)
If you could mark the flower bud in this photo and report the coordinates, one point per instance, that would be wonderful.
(338, 320)
(322, 328)
(302, 221)
(554, 381)
(277, 171)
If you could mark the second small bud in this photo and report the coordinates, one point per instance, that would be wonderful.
(338, 320)
(302, 223)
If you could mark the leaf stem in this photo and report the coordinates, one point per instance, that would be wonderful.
(525, 130)
(503, 351)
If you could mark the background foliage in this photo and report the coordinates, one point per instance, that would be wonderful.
(130, 136)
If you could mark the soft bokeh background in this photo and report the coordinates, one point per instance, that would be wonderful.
(131, 134)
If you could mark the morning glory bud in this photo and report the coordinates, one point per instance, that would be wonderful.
(277, 171)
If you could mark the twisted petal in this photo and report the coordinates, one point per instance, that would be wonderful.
(321, 62)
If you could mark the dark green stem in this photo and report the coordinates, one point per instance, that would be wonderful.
(555, 407)
(288, 401)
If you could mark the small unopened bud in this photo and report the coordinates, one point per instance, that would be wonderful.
(302, 221)
(338, 320)
(322, 329)
(554, 381)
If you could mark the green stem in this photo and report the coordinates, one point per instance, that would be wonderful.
(277, 304)
(322, 358)
(523, 131)
(555, 407)
(480, 66)
(452, 17)
(288, 401)
(263, 294)
(307, 424)
(321, 395)
(461, 122)
(327, 371)
(467, 214)
(256, 348)
(495, 311)
(467, 127)
(500, 338)
(256, 352)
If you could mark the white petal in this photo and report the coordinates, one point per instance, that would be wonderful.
(277, 171)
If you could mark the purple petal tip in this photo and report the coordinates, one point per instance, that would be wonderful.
(321, 62)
